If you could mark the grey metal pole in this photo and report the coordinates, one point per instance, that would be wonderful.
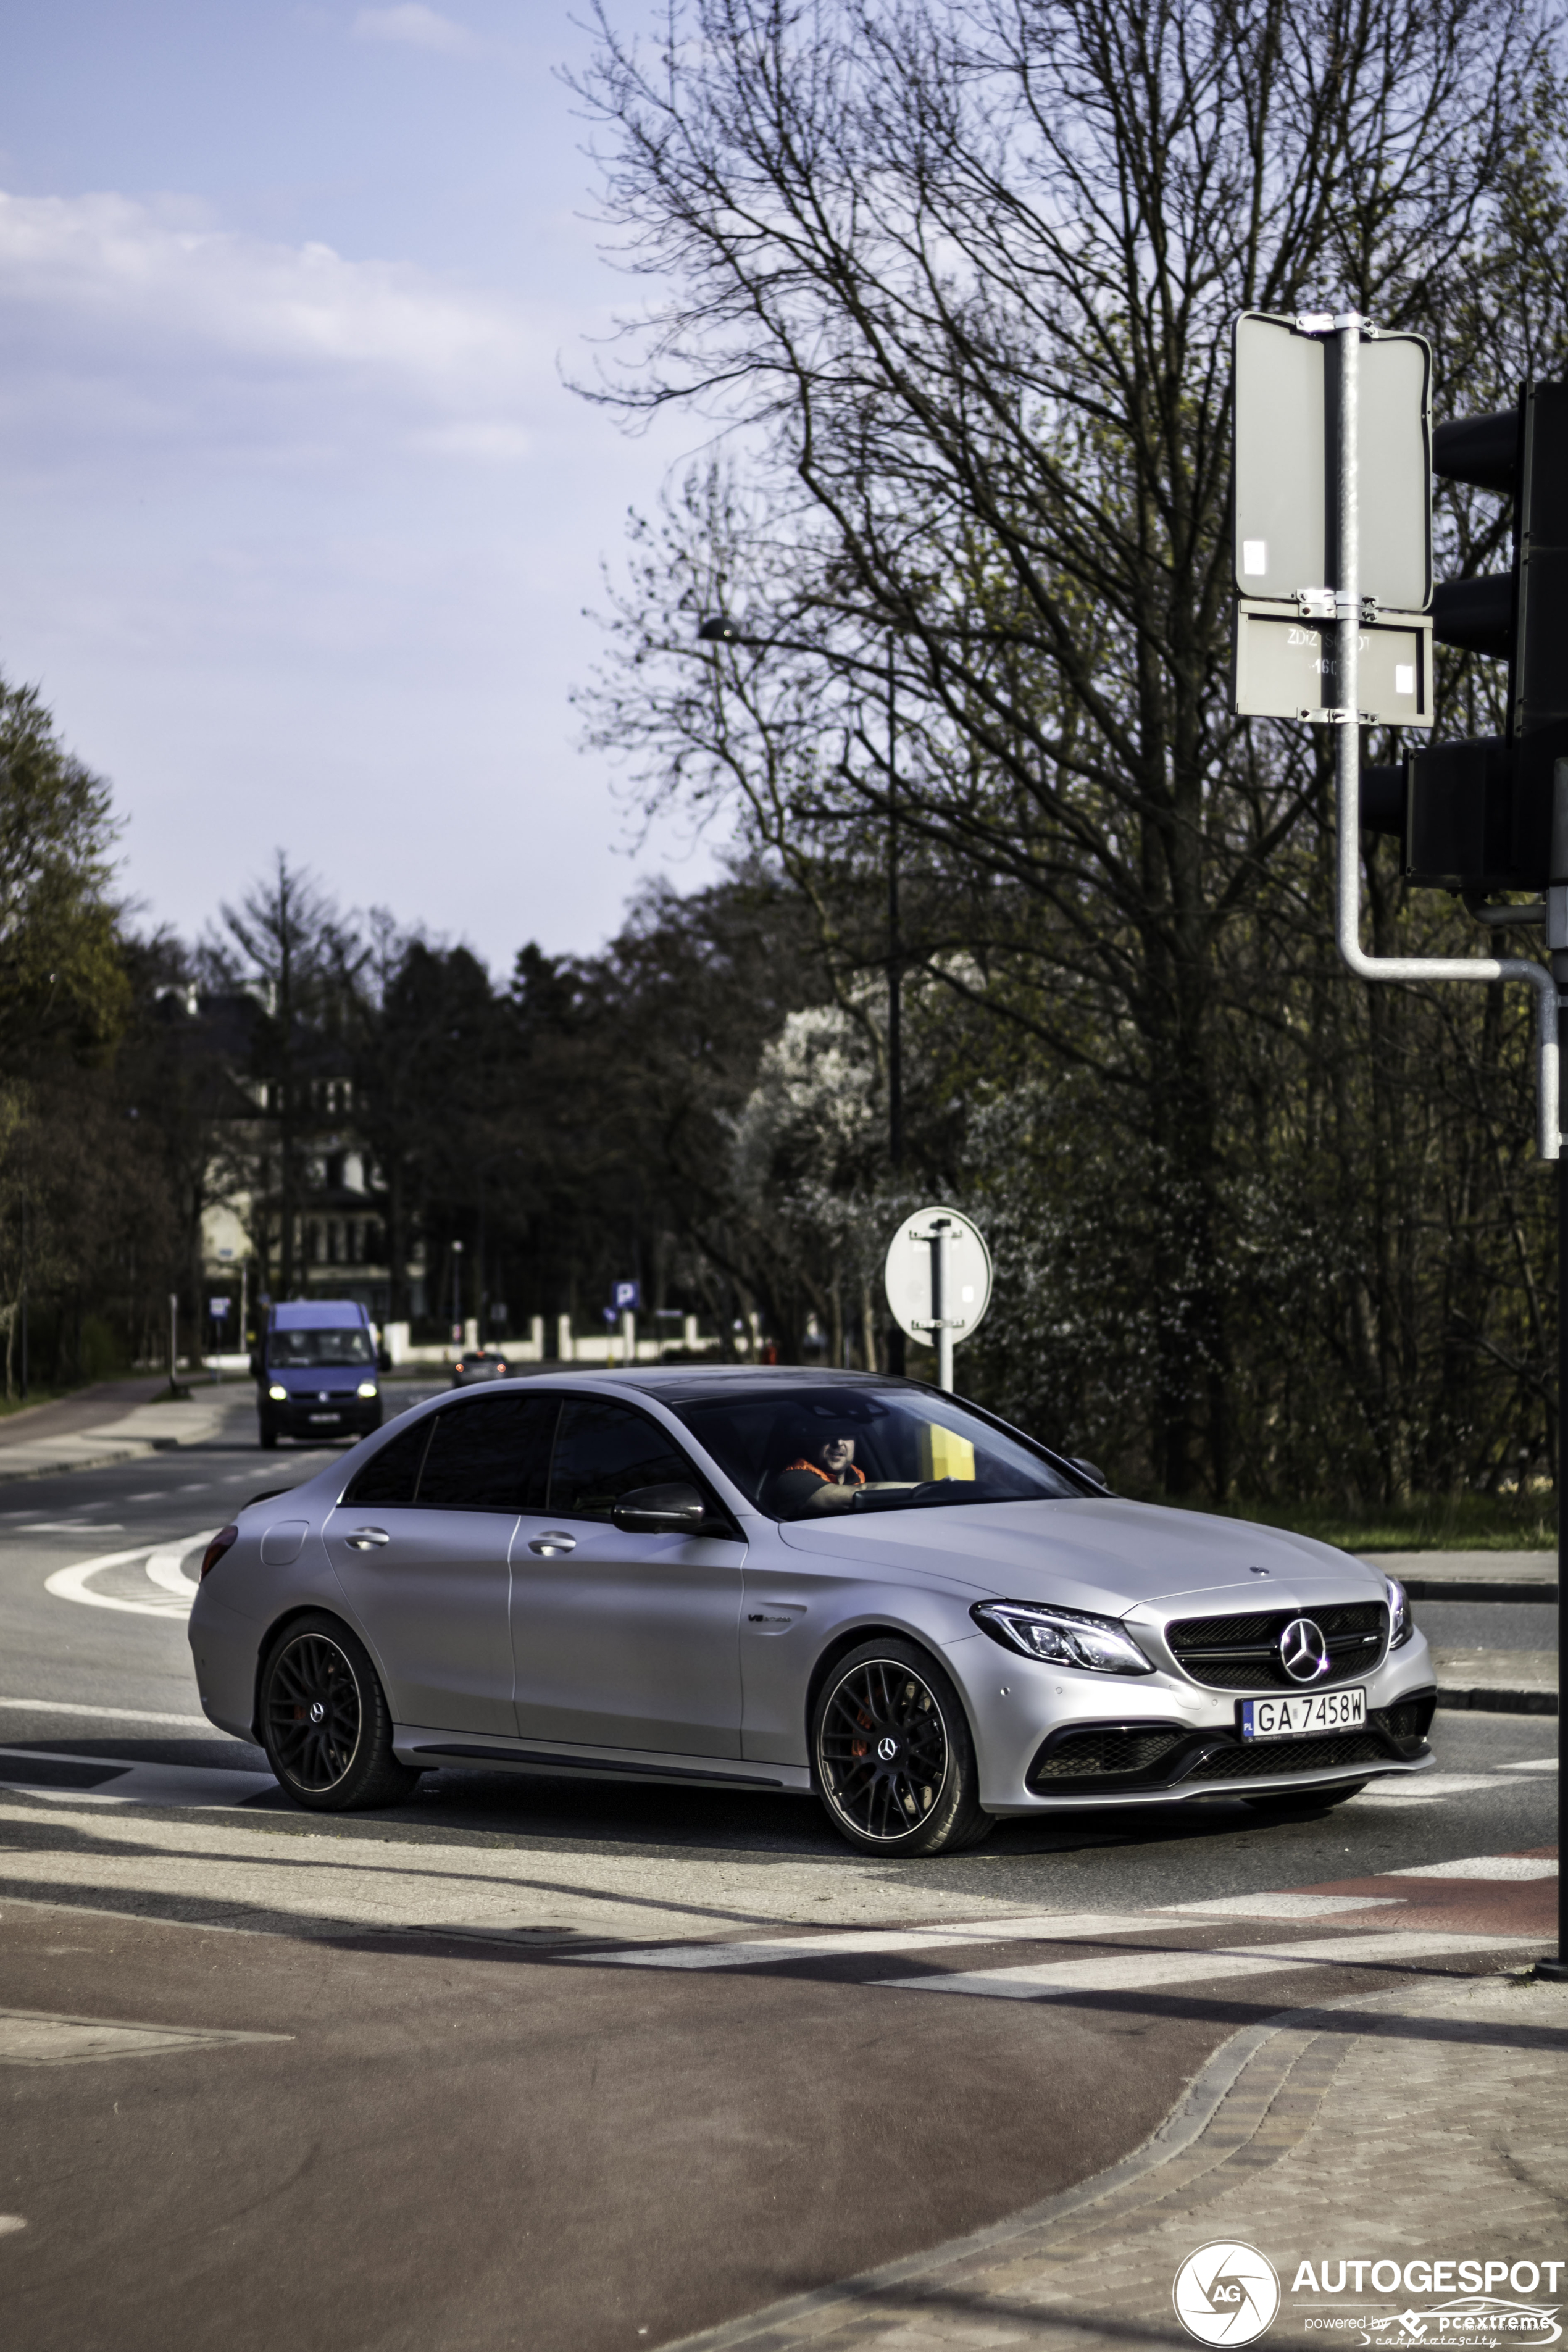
(1556, 1970)
(942, 1322)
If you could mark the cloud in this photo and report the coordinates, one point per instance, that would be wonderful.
(416, 28)
(148, 306)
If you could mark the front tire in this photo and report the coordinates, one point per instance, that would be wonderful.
(325, 1723)
(892, 1755)
(266, 1437)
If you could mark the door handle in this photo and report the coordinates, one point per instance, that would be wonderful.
(549, 1543)
(367, 1539)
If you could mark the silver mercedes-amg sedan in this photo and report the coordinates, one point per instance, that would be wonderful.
(778, 1579)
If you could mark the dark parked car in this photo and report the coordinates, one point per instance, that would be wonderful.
(478, 1364)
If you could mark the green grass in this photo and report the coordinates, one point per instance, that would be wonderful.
(1425, 1523)
(37, 1395)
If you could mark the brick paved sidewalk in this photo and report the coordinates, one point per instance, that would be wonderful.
(1429, 2122)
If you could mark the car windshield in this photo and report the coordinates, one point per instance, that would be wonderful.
(312, 1351)
(799, 1454)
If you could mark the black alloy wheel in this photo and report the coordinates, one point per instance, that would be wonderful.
(325, 1723)
(891, 1754)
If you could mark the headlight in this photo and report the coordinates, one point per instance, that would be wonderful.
(1061, 1637)
(367, 1387)
(278, 1395)
(1401, 1625)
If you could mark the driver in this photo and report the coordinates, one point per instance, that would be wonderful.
(822, 1463)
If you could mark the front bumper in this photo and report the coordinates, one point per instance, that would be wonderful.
(1052, 1739)
(349, 1416)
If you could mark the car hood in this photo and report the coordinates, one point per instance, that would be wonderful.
(1109, 1556)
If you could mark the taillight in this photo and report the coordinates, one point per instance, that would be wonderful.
(217, 1549)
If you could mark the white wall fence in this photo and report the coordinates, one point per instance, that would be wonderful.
(607, 1347)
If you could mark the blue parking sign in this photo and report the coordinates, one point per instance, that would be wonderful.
(628, 1296)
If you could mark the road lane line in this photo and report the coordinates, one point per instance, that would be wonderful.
(1148, 1972)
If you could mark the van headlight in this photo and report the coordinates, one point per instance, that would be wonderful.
(1061, 1637)
(367, 1387)
(278, 1395)
(1401, 1625)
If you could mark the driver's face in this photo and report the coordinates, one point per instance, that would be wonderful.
(838, 1453)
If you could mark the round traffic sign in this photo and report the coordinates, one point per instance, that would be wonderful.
(938, 1275)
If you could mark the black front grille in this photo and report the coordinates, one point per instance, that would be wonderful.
(1107, 1753)
(1243, 1652)
(1264, 1758)
(1107, 1758)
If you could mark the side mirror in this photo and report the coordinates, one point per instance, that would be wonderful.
(674, 1510)
(1089, 1470)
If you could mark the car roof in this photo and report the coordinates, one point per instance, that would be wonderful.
(683, 1383)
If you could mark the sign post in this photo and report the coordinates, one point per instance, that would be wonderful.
(1322, 470)
(939, 1280)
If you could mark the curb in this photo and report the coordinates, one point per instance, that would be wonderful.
(1471, 1588)
(131, 1450)
(1491, 1699)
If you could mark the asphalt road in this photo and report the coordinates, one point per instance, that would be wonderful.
(555, 2134)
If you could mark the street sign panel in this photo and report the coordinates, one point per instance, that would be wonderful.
(629, 1297)
(938, 1277)
(1285, 411)
(1288, 667)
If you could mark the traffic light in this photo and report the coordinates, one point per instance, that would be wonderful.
(1478, 815)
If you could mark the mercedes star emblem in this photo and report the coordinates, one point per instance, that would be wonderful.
(887, 1749)
(1303, 1653)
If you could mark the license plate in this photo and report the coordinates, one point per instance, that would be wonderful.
(1300, 1715)
(326, 1416)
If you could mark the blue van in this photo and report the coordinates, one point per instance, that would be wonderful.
(316, 1371)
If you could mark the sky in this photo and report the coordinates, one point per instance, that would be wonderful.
(297, 517)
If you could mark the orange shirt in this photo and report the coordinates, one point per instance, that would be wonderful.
(851, 1477)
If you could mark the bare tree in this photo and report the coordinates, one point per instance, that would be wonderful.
(956, 280)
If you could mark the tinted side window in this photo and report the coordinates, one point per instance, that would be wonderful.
(601, 1451)
(391, 1473)
(489, 1453)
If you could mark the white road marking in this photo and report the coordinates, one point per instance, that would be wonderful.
(151, 1494)
(1282, 1907)
(1423, 1790)
(72, 1528)
(1047, 1928)
(1531, 1764)
(36, 2038)
(1146, 1972)
(75, 1582)
(165, 1571)
(1486, 1866)
(104, 1714)
(9, 2222)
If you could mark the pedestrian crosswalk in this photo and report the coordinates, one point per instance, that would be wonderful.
(1147, 1971)
(1157, 1950)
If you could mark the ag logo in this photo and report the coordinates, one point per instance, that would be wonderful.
(1226, 2293)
